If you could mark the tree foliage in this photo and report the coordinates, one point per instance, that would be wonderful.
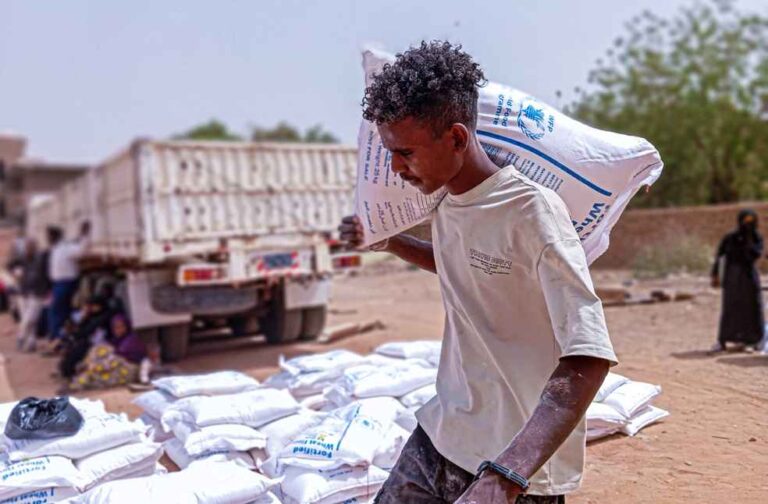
(284, 132)
(696, 86)
(212, 130)
(216, 130)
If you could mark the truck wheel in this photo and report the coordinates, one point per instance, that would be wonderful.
(280, 325)
(243, 325)
(314, 322)
(174, 342)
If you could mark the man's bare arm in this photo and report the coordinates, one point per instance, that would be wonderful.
(414, 251)
(565, 399)
(407, 248)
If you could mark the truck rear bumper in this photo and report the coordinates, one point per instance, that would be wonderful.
(213, 300)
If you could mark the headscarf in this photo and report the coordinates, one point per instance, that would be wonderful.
(130, 346)
(747, 222)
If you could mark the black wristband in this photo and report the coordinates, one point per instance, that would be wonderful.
(507, 473)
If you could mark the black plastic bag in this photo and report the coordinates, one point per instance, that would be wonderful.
(35, 418)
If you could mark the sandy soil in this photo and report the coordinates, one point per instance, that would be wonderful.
(713, 449)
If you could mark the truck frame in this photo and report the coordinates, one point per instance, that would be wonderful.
(203, 231)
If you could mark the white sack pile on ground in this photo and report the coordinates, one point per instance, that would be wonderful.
(623, 405)
(595, 172)
(289, 440)
(107, 447)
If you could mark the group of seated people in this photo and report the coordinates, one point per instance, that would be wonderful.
(98, 347)
(62, 313)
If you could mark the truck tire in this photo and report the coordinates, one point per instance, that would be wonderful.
(243, 325)
(314, 322)
(281, 325)
(174, 342)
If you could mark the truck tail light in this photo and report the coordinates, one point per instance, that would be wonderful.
(347, 261)
(203, 274)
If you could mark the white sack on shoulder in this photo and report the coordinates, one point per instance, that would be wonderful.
(307, 486)
(632, 397)
(44, 472)
(209, 482)
(117, 463)
(612, 382)
(254, 408)
(221, 382)
(595, 172)
(97, 434)
(643, 419)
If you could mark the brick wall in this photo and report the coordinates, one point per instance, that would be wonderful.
(643, 228)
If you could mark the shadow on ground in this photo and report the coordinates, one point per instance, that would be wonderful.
(746, 361)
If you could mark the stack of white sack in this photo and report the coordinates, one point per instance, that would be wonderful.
(429, 350)
(344, 457)
(214, 417)
(107, 447)
(204, 482)
(307, 376)
(623, 405)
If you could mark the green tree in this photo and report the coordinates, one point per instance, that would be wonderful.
(212, 130)
(696, 86)
(284, 132)
(316, 134)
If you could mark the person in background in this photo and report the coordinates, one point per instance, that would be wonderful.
(64, 272)
(113, 361)
(14, 266)
(34, 287)
(77, 337)
(741, 321)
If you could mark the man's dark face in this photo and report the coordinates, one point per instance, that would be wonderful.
(421, 158)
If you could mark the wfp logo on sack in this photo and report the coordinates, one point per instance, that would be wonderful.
(533, 121)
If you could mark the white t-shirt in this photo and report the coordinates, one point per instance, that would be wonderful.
(518, 296)
(63, 261)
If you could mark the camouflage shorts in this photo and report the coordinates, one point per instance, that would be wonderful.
(423, 476)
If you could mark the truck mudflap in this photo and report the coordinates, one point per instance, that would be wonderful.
(307, 293)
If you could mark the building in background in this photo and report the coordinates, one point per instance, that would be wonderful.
(23, 179)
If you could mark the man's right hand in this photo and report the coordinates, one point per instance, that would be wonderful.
(351, 230)
(715, 281)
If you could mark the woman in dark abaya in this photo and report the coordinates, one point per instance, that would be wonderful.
(741, 321)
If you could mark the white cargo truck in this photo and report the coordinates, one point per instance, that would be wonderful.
(204, 231)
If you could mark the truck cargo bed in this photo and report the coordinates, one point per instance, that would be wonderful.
(158, 201)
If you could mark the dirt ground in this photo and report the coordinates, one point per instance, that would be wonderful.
(712, 449)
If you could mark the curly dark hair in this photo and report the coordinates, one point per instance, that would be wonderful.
(436, 82)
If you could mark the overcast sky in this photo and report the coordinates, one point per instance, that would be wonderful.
(82, 78)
